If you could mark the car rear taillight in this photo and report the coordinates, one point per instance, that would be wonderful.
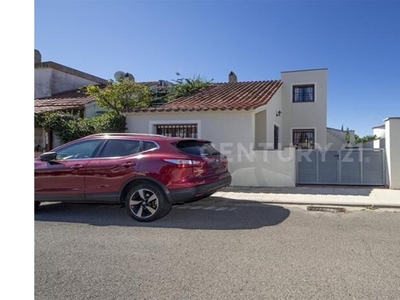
(182, 163)
(198, 167)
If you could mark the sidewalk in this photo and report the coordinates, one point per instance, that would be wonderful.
(315, 195)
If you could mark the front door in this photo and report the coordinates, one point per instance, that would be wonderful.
(276, 137)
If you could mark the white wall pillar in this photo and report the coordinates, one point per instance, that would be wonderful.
(392, 128)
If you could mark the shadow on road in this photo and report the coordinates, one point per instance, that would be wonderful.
(253, 215)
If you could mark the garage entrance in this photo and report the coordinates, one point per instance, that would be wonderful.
(344, 167)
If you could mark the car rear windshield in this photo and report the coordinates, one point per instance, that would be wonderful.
(197, 148)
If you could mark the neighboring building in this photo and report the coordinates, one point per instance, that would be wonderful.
(340, 139)
(379, 132)
(56, 88)
(52, 78)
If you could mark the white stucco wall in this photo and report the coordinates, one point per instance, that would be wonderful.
(379, 132)
(380, 143)
(267, 168)
(229, 131)
(273, 106)
(392, 126)
(305, 115)
(92, 109)
(232, 133)
(261, 130)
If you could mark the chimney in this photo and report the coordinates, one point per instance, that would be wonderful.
(38, 57)
(232, 77)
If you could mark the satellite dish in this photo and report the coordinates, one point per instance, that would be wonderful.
(119, 75)
(129, 76)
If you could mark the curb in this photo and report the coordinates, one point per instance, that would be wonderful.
(220, 200)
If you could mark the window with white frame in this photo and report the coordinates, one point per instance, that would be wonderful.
(303, 138)
(304, 93)
(177, 130)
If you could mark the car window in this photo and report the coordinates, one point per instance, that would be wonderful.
(114, 148)
(197, 148)
(148, 145)
(84, 149)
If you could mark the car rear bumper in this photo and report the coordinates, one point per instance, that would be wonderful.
(198, 192)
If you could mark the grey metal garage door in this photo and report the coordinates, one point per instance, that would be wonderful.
(346, 167)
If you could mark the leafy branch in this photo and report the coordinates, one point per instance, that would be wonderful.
(188, 86)
(120, 96)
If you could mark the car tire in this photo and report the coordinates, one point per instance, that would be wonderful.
(146, 202)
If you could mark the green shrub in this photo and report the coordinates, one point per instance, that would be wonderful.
(69, 126)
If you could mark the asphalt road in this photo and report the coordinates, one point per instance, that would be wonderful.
(207, 251)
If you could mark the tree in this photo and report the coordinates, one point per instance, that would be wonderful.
(364, 139)
(347, 135)
(120, 96)
(69, 126)
(187, 86)
(117, 97)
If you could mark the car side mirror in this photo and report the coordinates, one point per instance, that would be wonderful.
(48, 156)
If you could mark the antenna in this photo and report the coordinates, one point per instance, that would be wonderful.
(119, 75)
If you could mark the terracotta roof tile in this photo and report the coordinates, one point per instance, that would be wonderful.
(69, 100)
(224, 96)
(53, 104)
(219, 96)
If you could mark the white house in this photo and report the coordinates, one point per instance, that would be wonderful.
(256, 115)
(258, 124)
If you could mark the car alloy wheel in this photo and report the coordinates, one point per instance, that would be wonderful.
(144, 203)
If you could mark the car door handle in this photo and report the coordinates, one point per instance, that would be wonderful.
(76, 167)
(128, 165)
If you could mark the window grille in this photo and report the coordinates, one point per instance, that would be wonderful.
(304, 138)
(177, 130)
(303, 93)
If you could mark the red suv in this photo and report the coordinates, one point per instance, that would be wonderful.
(147, 173)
